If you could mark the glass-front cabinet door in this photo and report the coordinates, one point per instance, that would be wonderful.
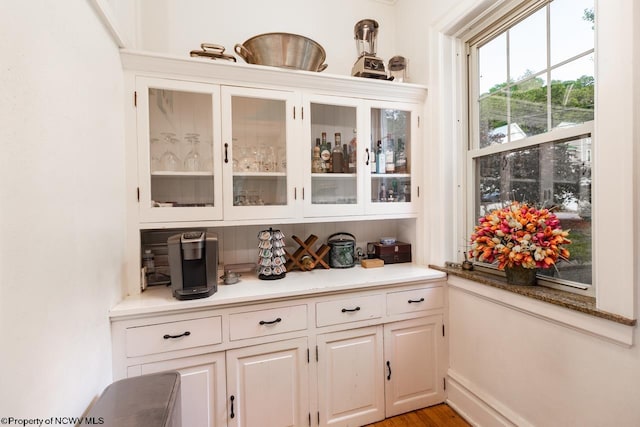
(179, 161)
(391, 186)
(257, 144)
(332, 169)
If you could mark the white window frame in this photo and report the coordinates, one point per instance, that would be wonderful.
(616, 195)
(472, 45)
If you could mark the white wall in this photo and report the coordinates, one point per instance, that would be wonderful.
(507, 367)
(177, 27)
(61, 206)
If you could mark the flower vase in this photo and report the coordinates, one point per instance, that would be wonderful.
(518, 275)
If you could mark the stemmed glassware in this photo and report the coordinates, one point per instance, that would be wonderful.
(155, 158)
(192, 159)
(169, 160)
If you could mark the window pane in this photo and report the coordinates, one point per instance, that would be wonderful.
(492, 58)
(572, 92)
(529, 106)
(571, 29)
(528, 46)
(493, 119)
(552, 175)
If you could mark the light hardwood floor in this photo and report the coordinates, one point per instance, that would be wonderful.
(434, 416)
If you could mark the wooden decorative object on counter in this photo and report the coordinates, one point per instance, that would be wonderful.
(305, 258)
(372, 263)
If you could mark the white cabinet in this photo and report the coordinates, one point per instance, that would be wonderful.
(217, 143)
(392, 129)
(260, 155)
(350, 382)
(202, 387)
(343, 358)
(414, 356)
(179, 162)
(268, 385)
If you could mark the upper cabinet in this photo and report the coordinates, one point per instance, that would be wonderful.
(258, 143)
(179, 162)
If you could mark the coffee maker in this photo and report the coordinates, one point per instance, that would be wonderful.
(193, 263)
(367, 64)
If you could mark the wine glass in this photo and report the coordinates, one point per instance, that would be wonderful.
(169, 160)
(155, 158)
(192, 159)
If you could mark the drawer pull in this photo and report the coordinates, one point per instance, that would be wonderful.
(185, 334)
(271, 322)
(389, 367)
(226, 154)
(232, 398)
(346, 310)
(415, 300)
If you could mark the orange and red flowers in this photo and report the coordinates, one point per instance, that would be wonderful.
(519, 235)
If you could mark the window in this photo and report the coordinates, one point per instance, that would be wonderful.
(531, 96)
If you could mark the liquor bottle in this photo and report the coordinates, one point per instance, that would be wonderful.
(382, 193)
(380, 159)
(337, 156)
(325, 152)
(401, 158)
(389, 155)
(353, 158)
(372, 156)
(316, 162)
(345, 158)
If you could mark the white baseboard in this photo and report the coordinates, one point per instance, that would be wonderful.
(478, 407)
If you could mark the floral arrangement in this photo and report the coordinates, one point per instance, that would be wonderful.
(519, 235)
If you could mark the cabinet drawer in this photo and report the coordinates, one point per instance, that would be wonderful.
(414, 300)
(172, 336)
(348, 310)
(260, 323)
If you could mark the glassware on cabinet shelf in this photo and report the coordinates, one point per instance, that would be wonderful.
(169, 160)
(155, 158)
(192, 161)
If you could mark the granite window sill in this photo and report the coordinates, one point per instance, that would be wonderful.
(575, 302)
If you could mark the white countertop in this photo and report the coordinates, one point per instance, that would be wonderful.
(296, 283)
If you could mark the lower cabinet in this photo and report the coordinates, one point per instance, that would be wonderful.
(268, 385)
(350, 382)
(342, 361)
(202, 386)
(413, 357)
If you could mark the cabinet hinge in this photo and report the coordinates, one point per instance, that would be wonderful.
(135, 98)
(138, 193)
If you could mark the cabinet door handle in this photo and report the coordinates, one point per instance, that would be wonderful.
(346, 310)
(415, 300)
(226, 152)
(389, 368)
(184, 334)
(270, 322)
(232, 398)
(367, 150)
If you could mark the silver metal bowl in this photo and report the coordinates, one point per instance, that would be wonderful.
(283, 50)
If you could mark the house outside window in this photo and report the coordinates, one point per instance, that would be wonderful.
(531, 105)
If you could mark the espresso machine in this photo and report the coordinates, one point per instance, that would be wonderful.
(367, 64)
(193, 263)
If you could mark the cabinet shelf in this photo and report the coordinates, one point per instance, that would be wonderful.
(260, 174)
(390, 175)
(178, 174)
(333, 175)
